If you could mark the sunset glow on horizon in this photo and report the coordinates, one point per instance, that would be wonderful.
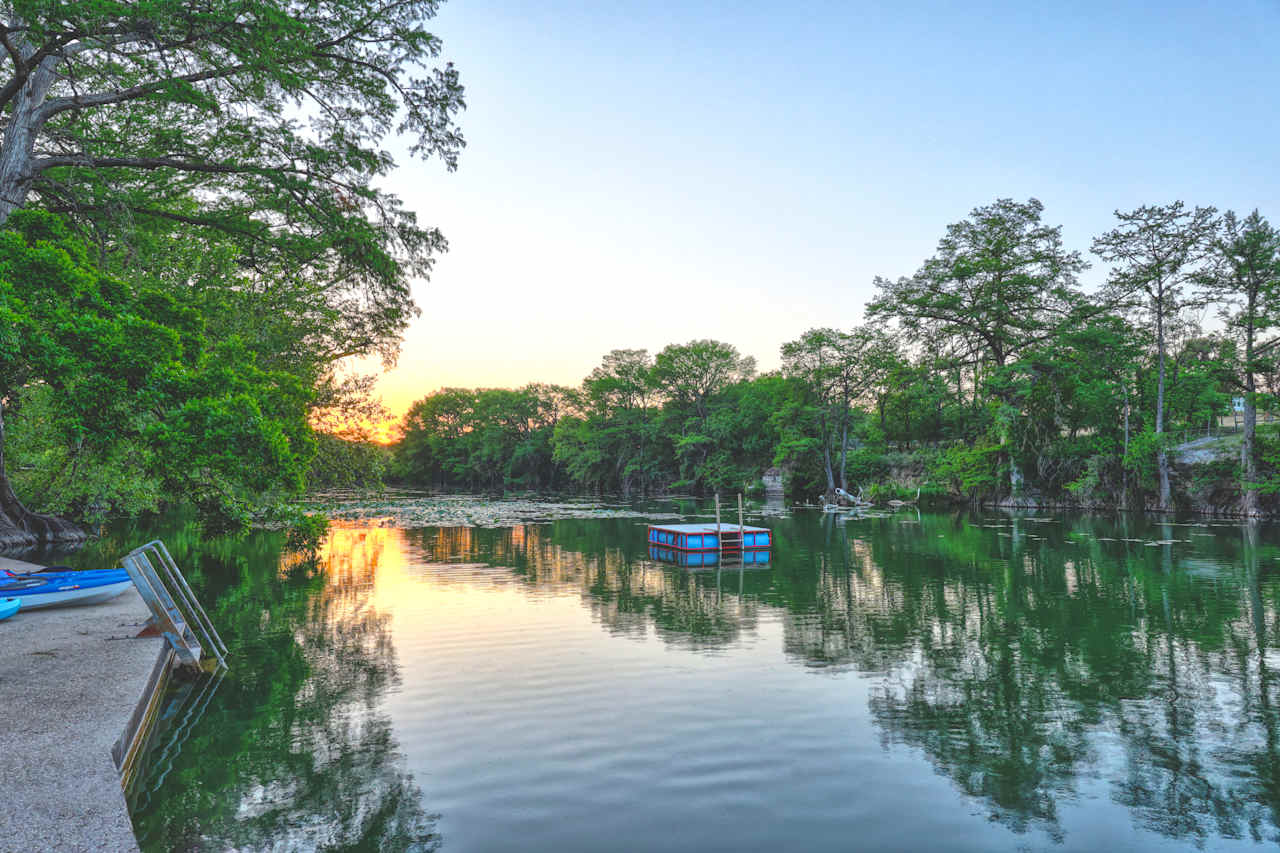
(639, 175)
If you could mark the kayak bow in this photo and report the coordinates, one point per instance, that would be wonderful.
(62, 589)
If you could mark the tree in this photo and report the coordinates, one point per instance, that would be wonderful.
(122, 364)
(624, 380)
(1072, 389)
(253, 130)
(621, 394)
(1156, 252)
(840, 369)
(1001, 282)
(1245, 277)
(434, 429)
(270, 114)
(691, 373)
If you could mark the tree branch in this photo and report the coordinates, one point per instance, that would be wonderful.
(135, 163)
(75, 102)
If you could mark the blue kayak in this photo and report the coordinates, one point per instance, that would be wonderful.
(62, 589)
(8, 607)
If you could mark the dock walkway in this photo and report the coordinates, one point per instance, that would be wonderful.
(69, 680)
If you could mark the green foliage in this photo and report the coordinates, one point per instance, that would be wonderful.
(691, 373)
(972, 471)
(1268, 452)
(866, 465)
(1000, 281)
(485, 439)
(839, 370)
(686, 420)
(1140, 458)
(114, 411)
(306, 532)
(347, 463)
(993, 373)
(273, 115)
(229, 164)
(87, 480)
(1091, 484)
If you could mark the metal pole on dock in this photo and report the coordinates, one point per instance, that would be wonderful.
(719, 537)
(742, 535)
(742, 555)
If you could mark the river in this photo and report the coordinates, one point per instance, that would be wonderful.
(905, 681)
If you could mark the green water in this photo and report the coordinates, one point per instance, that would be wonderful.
(949, 682)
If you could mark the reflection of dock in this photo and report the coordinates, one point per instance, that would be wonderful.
(755, 557)
(179, 709)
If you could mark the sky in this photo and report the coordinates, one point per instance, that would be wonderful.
(645, 173)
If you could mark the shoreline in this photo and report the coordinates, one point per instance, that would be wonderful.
(70, 679)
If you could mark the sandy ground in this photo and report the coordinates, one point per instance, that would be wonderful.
(69, 679)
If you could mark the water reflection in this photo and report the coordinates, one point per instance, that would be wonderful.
(1036, 665)
(1019, 655)
(294, 751)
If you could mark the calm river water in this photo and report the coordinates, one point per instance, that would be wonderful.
(931, 682)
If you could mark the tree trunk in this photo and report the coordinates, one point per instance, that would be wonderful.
(831, 479)
(20, 527)
(17, 170)
(1015, 472)
(1124, 468)
(844, 455)
(1162, 458)
(1248, 459)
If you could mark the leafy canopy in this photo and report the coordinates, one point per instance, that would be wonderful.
(120, 365)
(261, 120)
(1000, 281)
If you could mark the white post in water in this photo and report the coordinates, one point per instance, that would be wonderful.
(742, 536)
(719, 537)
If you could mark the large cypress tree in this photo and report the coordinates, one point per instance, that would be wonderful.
(258, 124)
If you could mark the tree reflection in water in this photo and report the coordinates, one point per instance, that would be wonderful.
(303, 757)
(1015, 653)
(1033, 664)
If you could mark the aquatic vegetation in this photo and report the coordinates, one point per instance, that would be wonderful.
(402, 508)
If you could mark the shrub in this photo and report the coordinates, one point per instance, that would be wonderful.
(974, 471)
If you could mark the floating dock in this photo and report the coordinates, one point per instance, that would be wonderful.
(704, 537)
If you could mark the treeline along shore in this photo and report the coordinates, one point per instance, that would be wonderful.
(989, 376)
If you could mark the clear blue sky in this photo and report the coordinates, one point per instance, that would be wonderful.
(639, 174)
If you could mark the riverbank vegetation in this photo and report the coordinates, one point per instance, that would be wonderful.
(193, 239)
(988, 375)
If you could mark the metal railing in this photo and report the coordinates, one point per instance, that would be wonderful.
(175, 612)
(733, 548)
